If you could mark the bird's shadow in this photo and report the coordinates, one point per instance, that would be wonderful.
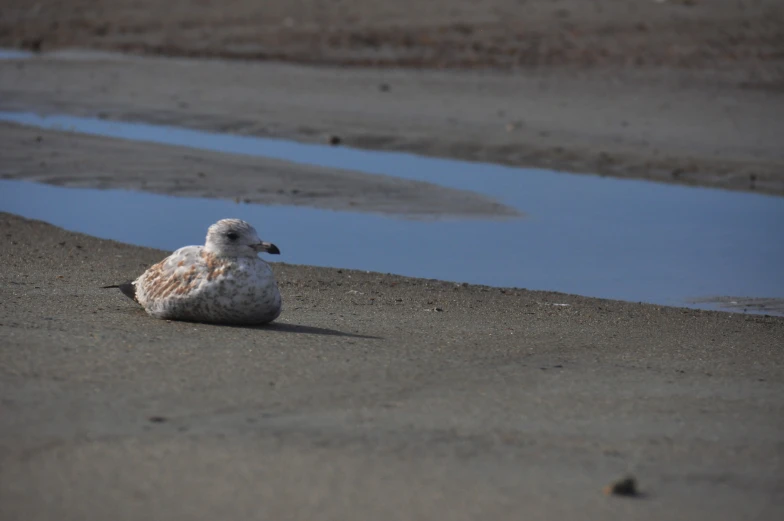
(308, 330)
(292, 328)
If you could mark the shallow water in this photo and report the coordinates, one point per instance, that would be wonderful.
(589, 235)
(15, 54)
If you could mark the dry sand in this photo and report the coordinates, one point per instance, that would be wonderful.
(366, 401)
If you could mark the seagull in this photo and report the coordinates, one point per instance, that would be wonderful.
(222, 282)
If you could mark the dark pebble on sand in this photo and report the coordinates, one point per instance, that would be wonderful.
(623, 487)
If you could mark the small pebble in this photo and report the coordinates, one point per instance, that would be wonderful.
(623, 487)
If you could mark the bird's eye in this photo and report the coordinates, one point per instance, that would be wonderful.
(232, 236)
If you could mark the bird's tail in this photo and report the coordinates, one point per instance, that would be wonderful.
(127, 288)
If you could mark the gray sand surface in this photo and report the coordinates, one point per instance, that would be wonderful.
(378, 397)
(366, 402)
(740, 36)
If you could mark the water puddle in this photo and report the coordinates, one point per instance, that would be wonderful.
(770, 306)
(15, 54)
(588, 235)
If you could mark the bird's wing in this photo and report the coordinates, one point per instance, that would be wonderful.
(178, 274)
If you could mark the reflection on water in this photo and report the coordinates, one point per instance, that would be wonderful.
(621, 239)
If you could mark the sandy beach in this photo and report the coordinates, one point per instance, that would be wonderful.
(377, 396)
(364, 401)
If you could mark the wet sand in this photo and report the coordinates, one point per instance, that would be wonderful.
(367, 402)
(68, 159)
(677, 91)
(744, 37)
(666, 125)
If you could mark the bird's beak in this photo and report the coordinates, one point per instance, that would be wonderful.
(267, 247)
